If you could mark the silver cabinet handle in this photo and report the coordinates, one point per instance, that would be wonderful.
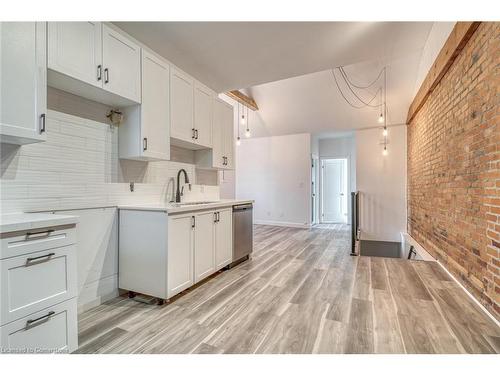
(46, 257)
(196, 132)
(42, 123)
(106, 75)
(30, 322)
(193, 222)
(215, 217)
(144, 144)
(218, 216)
(193, 136)
(99, 72)
(45, 233)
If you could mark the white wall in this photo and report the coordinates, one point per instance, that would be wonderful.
(276, 173)
(381, 181)
(342, 147)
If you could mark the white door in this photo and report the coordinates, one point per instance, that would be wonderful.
(218, 134)
(204, 245)
(224, 238)
(334, 190)
(228, 135)
(75, 49)
(23, 82)
(180, 253)
(181, 106)
(203, 115)
(155, 107)
(122, 65)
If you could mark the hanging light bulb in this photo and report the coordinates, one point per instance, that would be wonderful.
(247, 133)
(385, 131)
(238, 141)
(243, 119)
(381, 118)
(385, 151)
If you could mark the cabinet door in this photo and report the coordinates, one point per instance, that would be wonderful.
(224, 239)
(204, 245)
(155, 107)
(203, 114)
(23, 83)
(180, 253)
(228, 135)
(75, 49)
(122, 65)
(181, 106)
(217, 134)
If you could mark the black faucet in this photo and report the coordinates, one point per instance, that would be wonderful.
(186, 181)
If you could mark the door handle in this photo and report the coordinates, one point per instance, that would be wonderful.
(215, 217)
(42, 123)
(144, 144)
(218, 216)
(196, 132)
(342, 194)
(193, 136)
(99, 72)
(193, 222)
(106, 75)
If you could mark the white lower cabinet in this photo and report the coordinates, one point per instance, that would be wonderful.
(223, 238)
(161, 255)
(204, 262)
(180, 253)
(38, 290)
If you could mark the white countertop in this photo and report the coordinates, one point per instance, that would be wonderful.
(25, 221)
(171, 208)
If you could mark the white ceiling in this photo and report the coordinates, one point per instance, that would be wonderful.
(262, 57)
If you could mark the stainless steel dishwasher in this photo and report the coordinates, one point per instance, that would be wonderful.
(242, 232)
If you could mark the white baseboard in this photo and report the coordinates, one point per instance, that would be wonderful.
(469, 294)
(426, 256)
(282, 224)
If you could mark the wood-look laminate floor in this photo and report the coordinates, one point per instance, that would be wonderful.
(301, 293)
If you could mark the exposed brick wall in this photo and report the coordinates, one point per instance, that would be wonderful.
(454, 168)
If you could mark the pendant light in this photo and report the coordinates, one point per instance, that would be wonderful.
(384, 116)
(247, 132)
(238, 140)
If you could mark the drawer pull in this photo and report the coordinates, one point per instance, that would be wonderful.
(47, 256)
(29, 323)
(45, 233)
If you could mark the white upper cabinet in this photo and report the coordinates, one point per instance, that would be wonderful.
(181, 106)
(228, 135)
(218, 134)
(121, 65)
(75, 49)
(221, 154)
(203, 98)
(145, 133)
(23, 83)
(95, 61)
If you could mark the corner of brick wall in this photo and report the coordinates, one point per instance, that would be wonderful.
(454, 168)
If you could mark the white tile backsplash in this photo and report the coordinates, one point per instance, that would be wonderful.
(78, 167)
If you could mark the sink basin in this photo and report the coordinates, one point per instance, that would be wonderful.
(191, 203)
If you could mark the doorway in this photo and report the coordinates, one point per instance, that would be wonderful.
(333, 194)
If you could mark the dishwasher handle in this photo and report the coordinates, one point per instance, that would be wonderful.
(242, 207)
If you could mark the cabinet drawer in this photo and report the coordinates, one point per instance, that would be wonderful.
(53, 329)
(32, 282)
(25, 242)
